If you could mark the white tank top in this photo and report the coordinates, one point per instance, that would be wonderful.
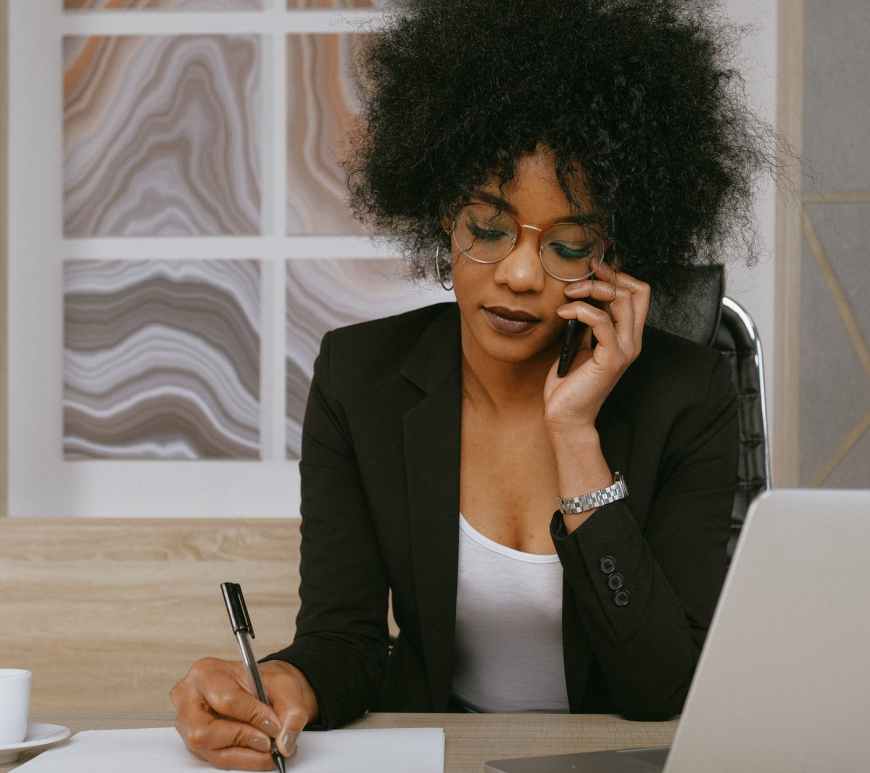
(508, 648)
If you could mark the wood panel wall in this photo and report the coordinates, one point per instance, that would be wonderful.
(110, 613)
(4, 240)
(785, 456)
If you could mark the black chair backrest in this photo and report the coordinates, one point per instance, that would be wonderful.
(707, 316)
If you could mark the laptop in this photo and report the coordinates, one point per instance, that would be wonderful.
(783, 681)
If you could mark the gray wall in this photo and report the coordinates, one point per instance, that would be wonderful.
(835, 261)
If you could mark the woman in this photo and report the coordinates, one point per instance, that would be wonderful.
(569, 158)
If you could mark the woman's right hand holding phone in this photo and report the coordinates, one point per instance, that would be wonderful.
(221, 721)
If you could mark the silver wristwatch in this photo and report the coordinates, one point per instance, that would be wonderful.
(592, 499)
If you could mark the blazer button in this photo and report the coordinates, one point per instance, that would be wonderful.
(607, 564)
(621, 598)
(615, 581)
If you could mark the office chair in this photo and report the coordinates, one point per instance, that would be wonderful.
(710, 317)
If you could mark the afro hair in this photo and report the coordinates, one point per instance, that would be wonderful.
(639, 99)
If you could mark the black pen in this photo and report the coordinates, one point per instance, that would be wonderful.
(242, 627)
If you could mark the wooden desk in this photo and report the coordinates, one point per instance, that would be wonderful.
(470, 739)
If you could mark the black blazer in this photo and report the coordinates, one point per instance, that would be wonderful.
(380, 511)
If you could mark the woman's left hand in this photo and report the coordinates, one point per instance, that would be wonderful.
(572, 402)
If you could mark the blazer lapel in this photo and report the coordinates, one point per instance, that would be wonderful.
(432, 447)
(432, 430)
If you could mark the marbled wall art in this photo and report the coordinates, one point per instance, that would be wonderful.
(337, 3)
(323, 294)
(213, 5)
(161, 359)
(321, 105)
(173, 5)
(160, 136)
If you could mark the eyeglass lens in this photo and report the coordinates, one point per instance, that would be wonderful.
(487, 234)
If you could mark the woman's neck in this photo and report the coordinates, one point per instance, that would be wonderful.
(504, 389)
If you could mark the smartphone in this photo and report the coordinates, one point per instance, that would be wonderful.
(571, 345)
(573, 332)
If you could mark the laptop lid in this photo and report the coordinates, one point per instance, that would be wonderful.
(783, 682)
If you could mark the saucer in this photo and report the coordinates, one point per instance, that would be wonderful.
(39, 736)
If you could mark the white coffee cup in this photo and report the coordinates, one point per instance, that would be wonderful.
(14, 705)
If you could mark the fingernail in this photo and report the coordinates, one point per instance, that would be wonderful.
(287, 739)
(270, 727)
(263, 744)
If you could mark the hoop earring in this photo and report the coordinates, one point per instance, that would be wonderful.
(438, 269)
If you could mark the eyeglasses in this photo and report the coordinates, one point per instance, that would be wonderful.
(486, 234)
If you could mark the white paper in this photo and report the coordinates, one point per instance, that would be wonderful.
(389, 750)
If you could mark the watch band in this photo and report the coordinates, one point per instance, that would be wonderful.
(592, 499)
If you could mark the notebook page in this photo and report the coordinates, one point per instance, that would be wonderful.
(388, 750)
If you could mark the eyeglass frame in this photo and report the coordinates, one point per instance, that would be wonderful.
(608, 242)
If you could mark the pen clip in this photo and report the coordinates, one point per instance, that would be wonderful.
(236, 608)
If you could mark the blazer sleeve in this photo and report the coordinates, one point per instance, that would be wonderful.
(646, 597)
(342, 637)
